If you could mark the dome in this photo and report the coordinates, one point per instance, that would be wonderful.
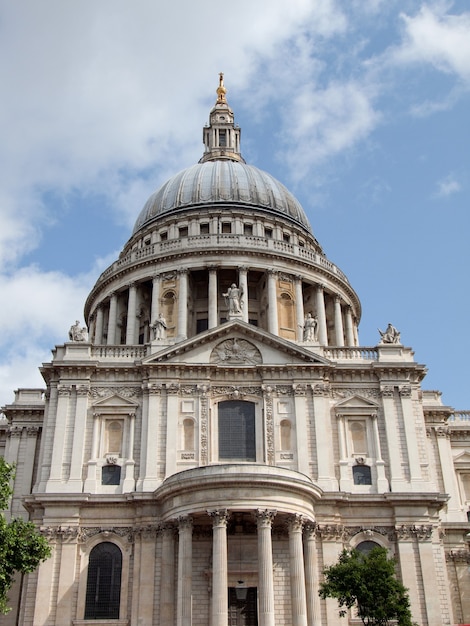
(223, 182)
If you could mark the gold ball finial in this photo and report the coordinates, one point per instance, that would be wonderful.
(221, 91)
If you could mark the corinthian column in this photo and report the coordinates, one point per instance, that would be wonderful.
(112, 320)
(299, 308)
(167, 587)
(339, 330)
(297, 573)
(321, 314)
(219, 568)
(183, 305)
(273, 325)
(99, 325)
(213, 316)
(185, 566)
(311, 576)
(243, 284)
(265, 568)
(131, 315)
(155, 310)
(349, 328)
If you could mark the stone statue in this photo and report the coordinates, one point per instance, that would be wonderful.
(77, 333)
(390, 335)
(159, 327)
(310, 327)
(233, 299)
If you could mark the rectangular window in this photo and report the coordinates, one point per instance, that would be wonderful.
(242, 606)
(236, 431)
(222, 138)
(248, 229)
(226, 227)
(183, 231)
(204, 229)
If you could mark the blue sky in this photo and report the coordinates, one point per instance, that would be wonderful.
(360, 107)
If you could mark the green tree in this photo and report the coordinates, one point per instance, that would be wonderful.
(368, 582)
(22, 547)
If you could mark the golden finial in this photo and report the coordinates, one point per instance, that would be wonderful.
(221, 91)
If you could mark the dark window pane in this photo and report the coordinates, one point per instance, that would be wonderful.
(366, 546)
(242, 606)
(237, 430)
(111, 475)
(362, 475)
(103, 592)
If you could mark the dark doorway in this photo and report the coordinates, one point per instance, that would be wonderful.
(242, 606)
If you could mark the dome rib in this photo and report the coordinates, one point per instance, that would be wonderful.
(222, 182)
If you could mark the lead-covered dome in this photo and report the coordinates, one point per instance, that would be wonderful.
(222, 182)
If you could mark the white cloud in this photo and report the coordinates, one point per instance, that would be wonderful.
(448, 186)
(437, 38)
(327, 122)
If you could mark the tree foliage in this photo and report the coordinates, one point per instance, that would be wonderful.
(368, 582)
(22, 547)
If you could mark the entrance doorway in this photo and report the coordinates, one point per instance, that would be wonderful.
(242, 606)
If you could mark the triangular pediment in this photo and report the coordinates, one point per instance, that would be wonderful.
(462, 459)
(113, 401)
(238, 344)
(355, 402)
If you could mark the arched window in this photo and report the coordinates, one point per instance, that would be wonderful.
(286, 311)
(237, 431)
(366, 546)
(285, 435)
(103, 591)
(168, 304)
(362, 475)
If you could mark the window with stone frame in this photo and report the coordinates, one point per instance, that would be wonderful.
(103, 590)
(236, 430)
(362, 475)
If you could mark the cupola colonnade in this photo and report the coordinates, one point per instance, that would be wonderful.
(190, 301)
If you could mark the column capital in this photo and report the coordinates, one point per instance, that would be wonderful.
(310, 529)
(185, 522)
(220, 517)
(265, 517)
(295, 523)
(64, 390)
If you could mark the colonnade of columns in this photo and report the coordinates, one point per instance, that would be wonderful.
(340, 331)
(303, 571)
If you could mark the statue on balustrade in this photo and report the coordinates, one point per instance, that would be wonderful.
(77, 333)
(233, 299)
(310, 327)
(159, 327)
(390, 335)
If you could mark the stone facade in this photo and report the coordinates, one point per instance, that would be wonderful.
(217, 434)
